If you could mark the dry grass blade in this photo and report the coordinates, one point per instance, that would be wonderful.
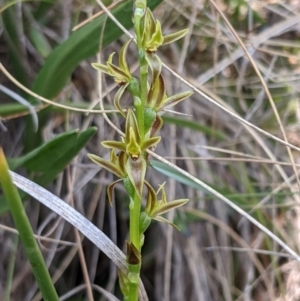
(43, 238)
(77, 220)
(93, 17)
(79, 288)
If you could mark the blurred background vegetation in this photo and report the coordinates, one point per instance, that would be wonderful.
(218, 254)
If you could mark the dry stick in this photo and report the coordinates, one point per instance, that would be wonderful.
(85, 272)
(278, 53)
(226, 159)
(228, 202)
(95, 16)
(43, 238)
(257, 251)
(76, 290)
(228, 151)
(263, 84)
(11, 78)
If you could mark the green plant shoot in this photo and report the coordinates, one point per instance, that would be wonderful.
(128, 157)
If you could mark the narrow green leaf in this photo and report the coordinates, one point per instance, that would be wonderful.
(14, 43)
(40, 42)
(65, 159)
(52, 157)
(43, 158)
(7, 109)
(24, 228)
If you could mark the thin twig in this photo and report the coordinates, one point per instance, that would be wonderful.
(230, 203)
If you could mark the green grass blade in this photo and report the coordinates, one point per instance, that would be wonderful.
(14, 44)
(52, 157)
(67, 157)
(40, 42)
(22, 223)
(44, 157)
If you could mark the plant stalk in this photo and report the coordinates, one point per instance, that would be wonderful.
(23, 226)
(135, 202)
(143, 66)
(134, 222)
(135, 237)
(134, 277)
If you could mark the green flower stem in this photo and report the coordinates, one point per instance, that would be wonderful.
(143, 87)
(140, 108)
(22, 223)
(138, 13)
(134, 225)
(134, 222)
(140, 116)
(133, 277)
